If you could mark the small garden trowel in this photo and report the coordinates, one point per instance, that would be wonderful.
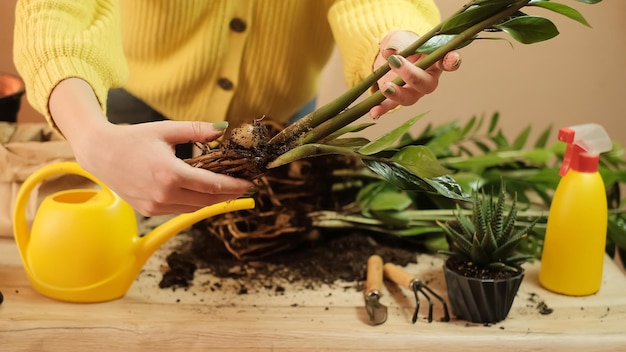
(373, 288)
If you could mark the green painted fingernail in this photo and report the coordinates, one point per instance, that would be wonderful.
(220, 126)
(394, 61)
(390, 90)
(250, 192)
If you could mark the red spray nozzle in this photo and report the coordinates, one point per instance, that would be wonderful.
(584, 144)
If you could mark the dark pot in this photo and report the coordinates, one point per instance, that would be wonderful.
(481, 301)
(11, 91)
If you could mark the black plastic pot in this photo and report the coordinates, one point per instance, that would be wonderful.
(11, 91)
(481, 301)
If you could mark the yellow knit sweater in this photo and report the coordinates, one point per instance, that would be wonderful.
(208, 60)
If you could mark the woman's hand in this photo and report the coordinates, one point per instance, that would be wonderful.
(138, 161)
(418, 82)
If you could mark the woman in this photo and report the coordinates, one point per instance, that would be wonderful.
(200, 65)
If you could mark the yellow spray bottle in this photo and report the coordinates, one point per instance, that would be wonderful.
(573, 252)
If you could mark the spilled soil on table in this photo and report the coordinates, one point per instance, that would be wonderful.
(332, 257)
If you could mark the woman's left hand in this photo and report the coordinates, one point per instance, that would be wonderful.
(418, 82)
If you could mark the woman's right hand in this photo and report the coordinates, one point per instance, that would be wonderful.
(138, 161)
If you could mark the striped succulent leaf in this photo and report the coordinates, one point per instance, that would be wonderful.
(489, 238)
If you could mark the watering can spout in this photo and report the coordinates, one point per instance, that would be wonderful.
(151, 242)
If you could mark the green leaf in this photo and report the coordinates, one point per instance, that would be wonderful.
(308, 151)
(465, 151)
(436, 243)
(617, 230)
(478, 162)
(562, 9)
(349, 129)
(500, 140)
(392, 200)
(459, 240)
(441, 141)
(368, 193)
(488, 242)
(421, 160)
(355, 142)
(529, 29)
(478, 254)
(388, 139)
(481, 216)
(473, 15)
(497, 222)
(404, 179)
(508, 247)
(416, 231)
(519, 259)
(521, 139)
(466, 224)
(297, 153)
(438, 41)
(538, 156)
(392, 218)
(493, 123)
(543, 138)
(482, 146)
(591, 2)
(468, 127)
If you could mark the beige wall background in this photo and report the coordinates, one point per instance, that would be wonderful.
(575, 78)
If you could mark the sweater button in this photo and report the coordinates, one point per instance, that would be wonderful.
(237, 25)
(225, 83)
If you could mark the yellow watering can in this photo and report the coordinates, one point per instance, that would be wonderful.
(84, 245)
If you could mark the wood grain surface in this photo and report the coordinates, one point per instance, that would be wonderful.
(326, 318)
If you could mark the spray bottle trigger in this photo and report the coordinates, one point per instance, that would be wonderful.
(567, 135)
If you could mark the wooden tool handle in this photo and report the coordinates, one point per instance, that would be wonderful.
(374, 274)
(398, 275)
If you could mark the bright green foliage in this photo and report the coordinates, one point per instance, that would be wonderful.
(489, 237)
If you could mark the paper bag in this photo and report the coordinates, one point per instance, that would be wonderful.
(25, 148)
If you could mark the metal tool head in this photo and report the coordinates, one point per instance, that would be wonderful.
(376, 311)
(419, 287)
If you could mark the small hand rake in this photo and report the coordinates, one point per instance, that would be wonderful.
(403, 278)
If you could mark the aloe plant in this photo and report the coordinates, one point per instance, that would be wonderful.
(490, 237)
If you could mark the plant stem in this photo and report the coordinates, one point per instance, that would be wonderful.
(315, 149)
(426, 218)
(340, 103)
(352, 114)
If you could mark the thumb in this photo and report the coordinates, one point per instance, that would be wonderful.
(396, 41)
(175, 132)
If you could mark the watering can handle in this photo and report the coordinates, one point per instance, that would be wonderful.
(20, 226)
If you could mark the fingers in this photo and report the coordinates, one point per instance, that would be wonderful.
(204, 181)
(184, 188)
(175, 132)
(157, 208)
(172, 192)
(450, 62)
(418, 82)
(396, 41)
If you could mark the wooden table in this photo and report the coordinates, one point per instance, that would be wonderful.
(324, 319)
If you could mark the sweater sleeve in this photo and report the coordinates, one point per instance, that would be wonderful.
(59, 39)
(359, 25)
